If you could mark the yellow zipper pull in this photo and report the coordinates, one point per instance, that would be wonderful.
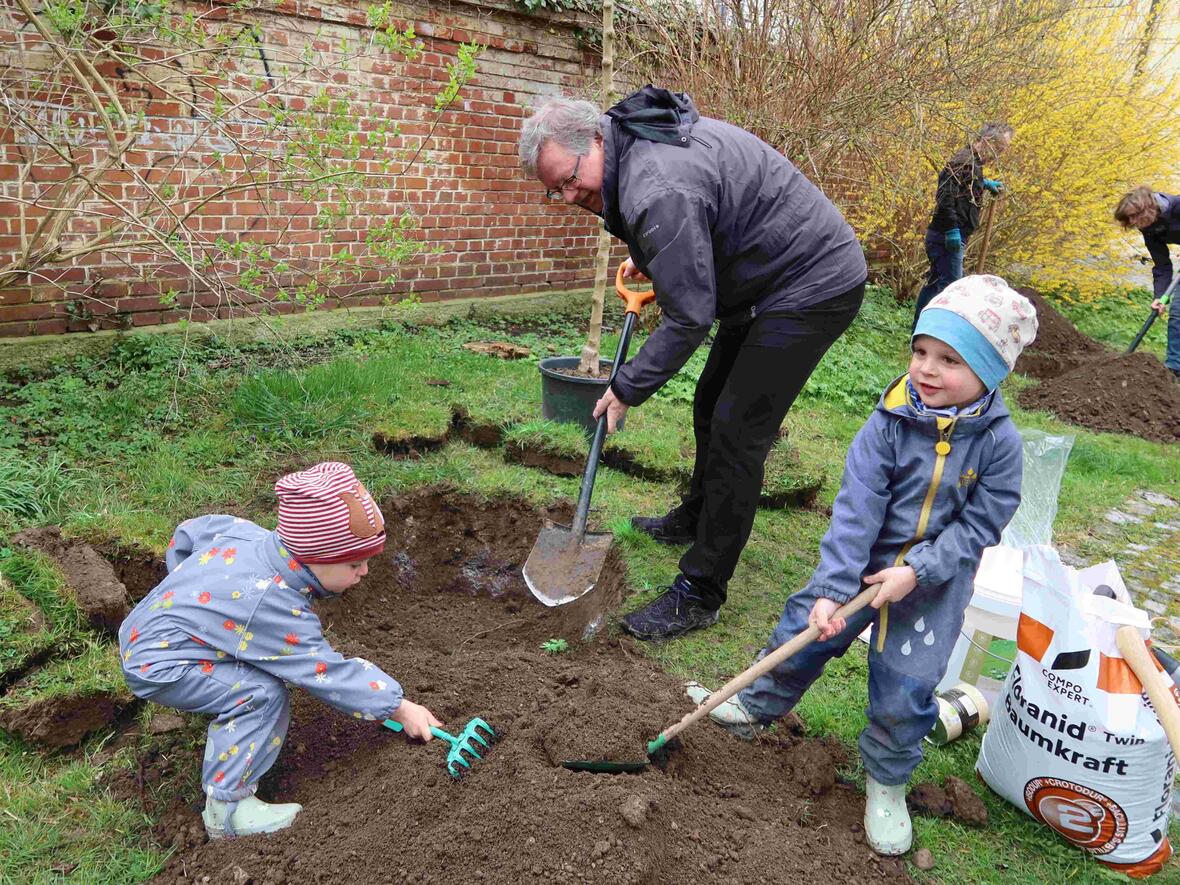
(946, 426)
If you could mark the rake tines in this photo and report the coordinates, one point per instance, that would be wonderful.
(465, 742)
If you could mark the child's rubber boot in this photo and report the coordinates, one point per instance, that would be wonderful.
(247, 817)
(887, 820)
(729, 714)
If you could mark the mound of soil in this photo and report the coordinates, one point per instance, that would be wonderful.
(1059, 347)
(447, 612)
(101, 595)
(1126, 393)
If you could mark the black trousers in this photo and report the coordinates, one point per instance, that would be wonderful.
(752, 376)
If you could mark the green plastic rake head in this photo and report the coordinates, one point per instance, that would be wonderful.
(465, 742)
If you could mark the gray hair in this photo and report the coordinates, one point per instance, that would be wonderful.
(991, 131)
(572, 124)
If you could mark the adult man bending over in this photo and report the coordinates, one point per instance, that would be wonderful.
(728, 230)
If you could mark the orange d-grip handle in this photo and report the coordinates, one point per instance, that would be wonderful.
(634, 300)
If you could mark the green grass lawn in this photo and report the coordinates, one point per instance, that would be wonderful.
(122, 446)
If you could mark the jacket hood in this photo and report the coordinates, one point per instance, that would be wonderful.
(656, 115)
(895, 401)
(651, 114)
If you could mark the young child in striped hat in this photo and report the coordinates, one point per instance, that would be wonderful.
(232, 624)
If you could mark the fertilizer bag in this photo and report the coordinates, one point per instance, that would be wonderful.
(1073, 741)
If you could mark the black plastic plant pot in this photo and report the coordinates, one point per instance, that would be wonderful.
(570, 399)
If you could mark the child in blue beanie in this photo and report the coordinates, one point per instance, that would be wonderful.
(930, 481)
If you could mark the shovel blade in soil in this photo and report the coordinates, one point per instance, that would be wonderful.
(561, 566)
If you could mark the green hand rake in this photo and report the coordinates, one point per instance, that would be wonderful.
(463, 742)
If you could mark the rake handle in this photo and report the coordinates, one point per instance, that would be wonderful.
(437, 732)
(758, 668)
(1134, 652)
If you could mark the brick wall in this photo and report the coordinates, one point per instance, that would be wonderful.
(490, 231)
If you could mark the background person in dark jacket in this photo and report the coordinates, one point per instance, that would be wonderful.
(1157, 216)
(956, 208)
(728, 230)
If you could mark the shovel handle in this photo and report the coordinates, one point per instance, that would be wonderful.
(1134, 652)
(1142, 331)
(635, 300)
(768, 663)
(1151, 314)
(989, 220)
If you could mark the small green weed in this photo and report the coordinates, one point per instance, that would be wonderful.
(555, 646)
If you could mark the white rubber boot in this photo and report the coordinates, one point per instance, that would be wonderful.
(251, 816)
(729, 714)
(887, 820)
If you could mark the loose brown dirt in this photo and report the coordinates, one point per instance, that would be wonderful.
(447, 612)
(1129, 393)
(954, 799)
(1084, 383)
(100, 594)
(1059, 347)
(576, 372)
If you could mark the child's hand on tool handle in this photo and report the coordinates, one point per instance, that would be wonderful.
(415, 720)
(821, 617)
(1159, 306)
(896, 584)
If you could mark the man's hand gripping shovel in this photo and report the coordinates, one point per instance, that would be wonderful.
(565, 562)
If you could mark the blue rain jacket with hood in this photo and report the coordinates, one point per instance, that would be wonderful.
(904, 501)
(725, 226)
(234, 593)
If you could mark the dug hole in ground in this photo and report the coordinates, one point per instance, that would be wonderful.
(446, 611)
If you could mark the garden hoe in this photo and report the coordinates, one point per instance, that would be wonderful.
(658, 748)
(463, 742)
(1151, 315)
(565, 562)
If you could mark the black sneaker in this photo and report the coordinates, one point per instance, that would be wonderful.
(676, 611)
(676, 527)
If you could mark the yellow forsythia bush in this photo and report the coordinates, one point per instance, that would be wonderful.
(1087, 130)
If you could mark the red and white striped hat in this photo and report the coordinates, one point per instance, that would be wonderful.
(326, 515)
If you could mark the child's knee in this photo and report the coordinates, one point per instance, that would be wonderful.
(900, 704)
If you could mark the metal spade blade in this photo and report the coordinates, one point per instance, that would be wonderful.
(562, 566)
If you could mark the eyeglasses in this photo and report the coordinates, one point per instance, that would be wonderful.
(558, 193)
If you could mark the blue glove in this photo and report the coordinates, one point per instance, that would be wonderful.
(992, 185)
(954, 239)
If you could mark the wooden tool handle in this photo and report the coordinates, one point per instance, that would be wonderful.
(989, 220)
(1135, 653)
(768, 663)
